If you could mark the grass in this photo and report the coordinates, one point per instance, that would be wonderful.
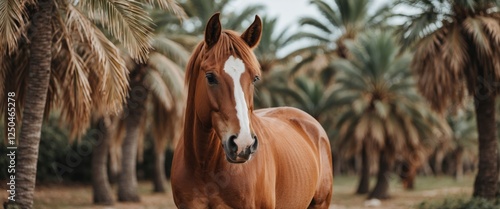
(427, 189)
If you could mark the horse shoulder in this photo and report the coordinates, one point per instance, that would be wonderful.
(304, 123)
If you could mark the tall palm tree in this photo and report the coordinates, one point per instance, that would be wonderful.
(342, 20)
(457, 54)
(156, 98)
(66, 62)
(101, 188)
(381, 113)
(156, 85)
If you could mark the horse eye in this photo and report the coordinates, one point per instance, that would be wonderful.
(256, 78)
(211, 79)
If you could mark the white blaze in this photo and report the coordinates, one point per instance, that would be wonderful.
(235, 67)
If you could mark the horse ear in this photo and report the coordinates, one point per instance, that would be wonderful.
(252, 35)
(213, 30)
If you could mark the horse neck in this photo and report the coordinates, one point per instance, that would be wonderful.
(202, 148)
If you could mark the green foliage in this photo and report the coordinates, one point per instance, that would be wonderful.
(200, 11)
(474, 203)
(342, 16)
(379, 104)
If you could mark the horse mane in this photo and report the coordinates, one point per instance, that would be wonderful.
(229, 43)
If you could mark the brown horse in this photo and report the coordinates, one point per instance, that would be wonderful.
(234, 157)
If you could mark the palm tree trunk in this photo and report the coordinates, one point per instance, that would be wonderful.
(381, 190)
(459, 167)
(34, 107)
(438, 163)
(408, 173)
(159, 179)
(485, 184)
(127, 179)
(337, 164)
(100, 185)
(364, 180)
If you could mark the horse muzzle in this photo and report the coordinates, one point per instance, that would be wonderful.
(237, 153)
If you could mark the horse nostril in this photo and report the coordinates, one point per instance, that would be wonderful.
(255, 144)
(231, 144)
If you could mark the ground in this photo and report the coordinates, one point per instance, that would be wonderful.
(427, 189)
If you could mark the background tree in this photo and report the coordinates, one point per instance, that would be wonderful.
(456, 54)
(200, 12)
(342, 20)
(155, 85)
(270, 42)
(463, 139)
(382, 113)
(76, 74)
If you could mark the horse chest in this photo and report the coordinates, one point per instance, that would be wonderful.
(223, 189)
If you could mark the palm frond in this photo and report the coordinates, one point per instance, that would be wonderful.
(172, 5)
(12, 24)
(481, 40)
(492, 27)
(418, 26)
(159, 89)
(170, 72)
(315, 23)
(171, 49)
(328, 12)
(14, 68)
(126, 20)
(234, 20)
(309, 35)
(112, 81)
(74, 102)
(455, 50)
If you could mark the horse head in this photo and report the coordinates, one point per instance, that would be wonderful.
(227, 70)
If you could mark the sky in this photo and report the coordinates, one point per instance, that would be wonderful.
(288, 13)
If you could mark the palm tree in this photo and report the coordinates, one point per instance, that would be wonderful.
(342, 20)
(75, 73)
(101, 188)
(456, 54)
(381, 113)
(157, 86)
(271, 42)
(200, 12)
(463, 138)
(309, 95)
(264, 95)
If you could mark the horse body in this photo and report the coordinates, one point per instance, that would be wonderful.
(212, 166)
(286, 172)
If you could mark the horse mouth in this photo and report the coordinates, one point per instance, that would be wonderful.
(236, 159)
